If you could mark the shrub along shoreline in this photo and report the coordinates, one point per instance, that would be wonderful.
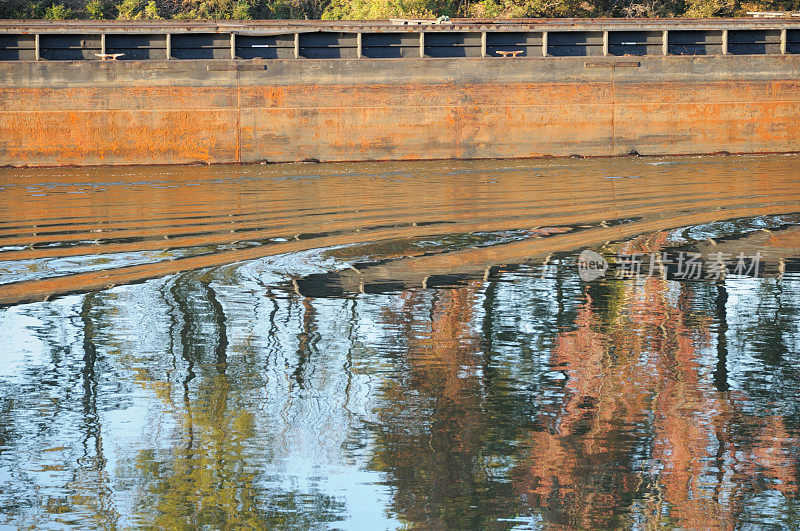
(377, 9)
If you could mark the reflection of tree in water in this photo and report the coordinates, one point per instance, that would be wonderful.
(465, 394)
(436, 422)
(628, 402)
(644, 428)
(90, 477)
(61, 403)
(210, 475)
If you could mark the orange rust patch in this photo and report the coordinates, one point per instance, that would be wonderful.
(122, 125)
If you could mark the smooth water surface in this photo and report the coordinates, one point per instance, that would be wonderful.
(394, 345)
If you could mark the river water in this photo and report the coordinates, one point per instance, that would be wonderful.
(387, 345)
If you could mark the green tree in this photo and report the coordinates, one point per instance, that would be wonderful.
(59, 12)
(529, 8)
(711, 8)
(382, 9)
(379, 9)
(99, 9)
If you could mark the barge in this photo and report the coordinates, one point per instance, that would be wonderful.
(166, 92)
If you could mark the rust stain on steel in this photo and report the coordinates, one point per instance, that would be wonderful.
(339, 122)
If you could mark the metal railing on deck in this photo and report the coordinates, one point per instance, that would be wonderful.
(75, 41)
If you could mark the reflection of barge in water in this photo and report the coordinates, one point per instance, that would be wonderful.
(744, 246)
(310, 90)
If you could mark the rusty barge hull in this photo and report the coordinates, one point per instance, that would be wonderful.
(316, 92)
